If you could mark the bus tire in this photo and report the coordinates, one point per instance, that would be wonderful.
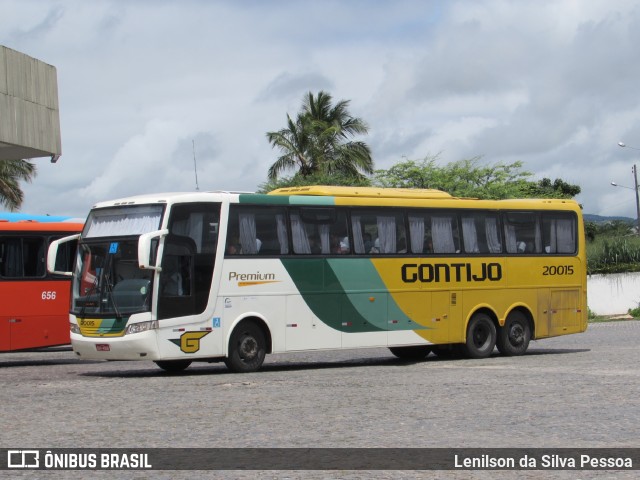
(247, 348)
(513, 338)
(481, 336)
(419, 352)
(173, 366)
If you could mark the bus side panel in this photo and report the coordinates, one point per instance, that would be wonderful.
(38, 313)
(305, 331)
(566, 312)
(5, 333)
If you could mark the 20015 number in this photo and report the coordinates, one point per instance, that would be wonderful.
(557, 270)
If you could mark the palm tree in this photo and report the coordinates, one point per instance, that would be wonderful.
(11, 173)
(318, 141)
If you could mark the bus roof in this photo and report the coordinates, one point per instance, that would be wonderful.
(364, 192)
(35, 226)
(20, 217)
(324, 195)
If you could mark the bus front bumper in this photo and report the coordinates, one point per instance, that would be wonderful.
(137, 346)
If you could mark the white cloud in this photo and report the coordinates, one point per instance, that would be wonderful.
(552, 84)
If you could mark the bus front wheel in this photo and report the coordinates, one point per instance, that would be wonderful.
(173, 366)
(513, 338)
(247, 348)
(481, 336)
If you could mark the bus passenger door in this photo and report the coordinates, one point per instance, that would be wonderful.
(176, 293)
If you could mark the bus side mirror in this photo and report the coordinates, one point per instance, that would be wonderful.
(146, 249)
(52, 254)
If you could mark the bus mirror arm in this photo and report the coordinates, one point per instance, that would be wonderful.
(144, 249)
(52, 254)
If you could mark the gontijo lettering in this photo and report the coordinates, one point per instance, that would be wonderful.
(450, 272)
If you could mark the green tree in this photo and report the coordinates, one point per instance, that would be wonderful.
(464, 178)
(11, 173)
(319, 140)
(470, 178)
(545, 188)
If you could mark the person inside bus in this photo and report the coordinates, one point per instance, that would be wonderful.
(368, 243)
(233, 247)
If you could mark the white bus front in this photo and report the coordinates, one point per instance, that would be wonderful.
(139, 279)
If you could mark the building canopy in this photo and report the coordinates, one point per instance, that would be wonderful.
(29, 112)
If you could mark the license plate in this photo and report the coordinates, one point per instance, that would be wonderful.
(102, 347)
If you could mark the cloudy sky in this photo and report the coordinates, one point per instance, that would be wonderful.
(554, 84)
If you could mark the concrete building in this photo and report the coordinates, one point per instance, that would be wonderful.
(29, 112)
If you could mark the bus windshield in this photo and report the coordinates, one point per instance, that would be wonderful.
(108, 280)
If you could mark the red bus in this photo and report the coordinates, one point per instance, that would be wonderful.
(34, 304)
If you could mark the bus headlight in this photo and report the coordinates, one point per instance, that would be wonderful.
(141, 327)
(74, 328)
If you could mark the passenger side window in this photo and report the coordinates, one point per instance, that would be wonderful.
(559, 233)
(435, 232)
(522, 232)
(319, 231)
(378, 231)
(480, 233)
(255, 230)
(22, 257)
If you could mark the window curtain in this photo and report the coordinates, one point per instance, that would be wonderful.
(281, 231)
(325, 242)
(248, 237)
(565, 236)
(442, 235)
(358, 240)
(387, 233)
(470, 235)
(12, 259)
(510, 238)
(299, 235)
(120, 224)
(538, 238)
(493, 239)
(416, 234)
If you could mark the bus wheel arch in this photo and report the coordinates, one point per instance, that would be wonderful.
(249, 342)
(481, 334)
(513, 338)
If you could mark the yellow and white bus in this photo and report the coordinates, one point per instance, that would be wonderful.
(223, 276)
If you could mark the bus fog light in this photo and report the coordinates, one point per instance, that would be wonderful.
(74, 328)
(141, 327)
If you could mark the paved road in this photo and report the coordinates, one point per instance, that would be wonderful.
(575, 391)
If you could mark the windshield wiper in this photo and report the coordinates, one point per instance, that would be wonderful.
(110, 296)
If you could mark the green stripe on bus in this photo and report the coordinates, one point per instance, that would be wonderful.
(261, 199)
(309, 200)
(347, 294)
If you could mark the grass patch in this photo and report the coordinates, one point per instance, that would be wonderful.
(613, 255)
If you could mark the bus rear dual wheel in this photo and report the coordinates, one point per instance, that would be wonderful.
(512, 339)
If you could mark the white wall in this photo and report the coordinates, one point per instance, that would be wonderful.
(614, 293)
